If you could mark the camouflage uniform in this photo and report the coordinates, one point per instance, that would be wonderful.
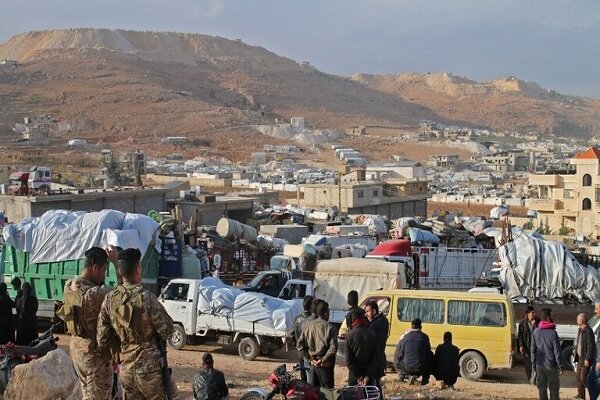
(82, 302)
(136, 317)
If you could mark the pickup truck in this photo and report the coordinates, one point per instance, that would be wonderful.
(181, 299)
(268, 282)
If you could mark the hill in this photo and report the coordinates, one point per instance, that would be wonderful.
(133, 88)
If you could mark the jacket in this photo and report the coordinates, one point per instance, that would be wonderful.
(446, 361)
(360, 352)
(524, 334)
(588, 346)
(381, 328)
(413, 351)
(300, 320)
(545, 346)
(348, 317)
(209, 384)
(318, 340)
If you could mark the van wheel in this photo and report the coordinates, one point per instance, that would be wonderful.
(567, 356)
(178, 338)
(248, 348)
(472, 365)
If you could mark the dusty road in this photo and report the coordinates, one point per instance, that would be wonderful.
(240, 375)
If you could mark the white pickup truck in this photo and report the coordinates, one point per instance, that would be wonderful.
(181, 300)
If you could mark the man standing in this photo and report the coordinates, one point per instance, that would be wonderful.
(209, 383)
(16, 284)
(134, 316)
(546, 357)
(526, 327)
(360, 347)
(380, 326)
(298, 323)
(446, 361)
(318, 343)
(595, 372)
(413, 354)
(585, 350)
(352, 300)
(83, 297)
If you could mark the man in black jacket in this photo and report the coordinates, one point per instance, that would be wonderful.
(413, 354)
(584, 351)
(209, 383)
(526, 327)
(380, 326)
(298, 322)
(360, 351)
(352, 300)
(446, 361)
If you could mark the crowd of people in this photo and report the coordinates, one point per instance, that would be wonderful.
(19, 327)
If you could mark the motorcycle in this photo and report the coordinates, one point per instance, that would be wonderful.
(285, 386)
(13, 355)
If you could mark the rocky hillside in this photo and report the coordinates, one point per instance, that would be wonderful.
(135, 87)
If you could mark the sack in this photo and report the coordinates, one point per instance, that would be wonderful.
(200, 387)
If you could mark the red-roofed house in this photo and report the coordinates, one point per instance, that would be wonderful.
(570, 198)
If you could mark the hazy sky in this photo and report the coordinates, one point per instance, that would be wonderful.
(555, 43)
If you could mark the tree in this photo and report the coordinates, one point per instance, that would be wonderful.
(114, 173)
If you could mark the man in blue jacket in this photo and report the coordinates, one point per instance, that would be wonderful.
(546, 357)
(413, 354)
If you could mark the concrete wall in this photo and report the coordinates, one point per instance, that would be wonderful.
(394, 210)
(202, 182)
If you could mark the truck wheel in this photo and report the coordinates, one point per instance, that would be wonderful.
(248, 348)
(472, 365)
(567, 355)
(179, 338)
(252, 396)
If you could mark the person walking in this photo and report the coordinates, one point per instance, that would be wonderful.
(27, 307)
(361, 357)
(318, 343)
(135, 317)
(446, 362)
(7, 323)
(546, 358)
(413, 354)
(585, 353)
(83, 297)
(526, 327)
(380, 326)
(209, 383)
(298, 323)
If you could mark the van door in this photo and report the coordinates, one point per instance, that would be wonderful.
(178, 300)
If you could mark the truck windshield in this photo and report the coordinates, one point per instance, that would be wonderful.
(279, 263)
(256, 280)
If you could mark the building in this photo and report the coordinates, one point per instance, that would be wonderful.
(444, 161)
(207, 210)
(356, 131)
(28, 156)
(508, 161)
(298, 124)
(37, 136)
(130, 164)
(570, 197)
(397, 170)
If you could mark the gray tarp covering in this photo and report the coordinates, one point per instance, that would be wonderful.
(534, 268)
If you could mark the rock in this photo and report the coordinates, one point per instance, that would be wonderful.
(48, 378)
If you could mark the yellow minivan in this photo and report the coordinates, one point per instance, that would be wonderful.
(482, 325)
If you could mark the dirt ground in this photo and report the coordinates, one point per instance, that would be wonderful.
(241, 375)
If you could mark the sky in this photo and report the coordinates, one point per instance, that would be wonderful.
(555, 43)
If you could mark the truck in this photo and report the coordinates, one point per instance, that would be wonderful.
(269, 282)
(182, 299)
(40, 179)
(333, 279)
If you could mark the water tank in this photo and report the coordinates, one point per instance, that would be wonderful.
(231, 229)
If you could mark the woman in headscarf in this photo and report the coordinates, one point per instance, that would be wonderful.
(7, 326)
(27, 307)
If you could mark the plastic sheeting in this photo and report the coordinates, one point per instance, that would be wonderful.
(422, 236)
(61, 235)
(498, 212)
(219, 298)
(537, 269)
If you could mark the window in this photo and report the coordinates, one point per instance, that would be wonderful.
(567, 193)
(428, 311)
(177, 292)
(587, 180)
(476, 313)
(382, 302)
(597, 193)
(586, 204)
(375, 193)
(360, 194)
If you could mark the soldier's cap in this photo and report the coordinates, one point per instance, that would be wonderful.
(207, 358)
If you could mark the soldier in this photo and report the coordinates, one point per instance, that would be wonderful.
(134, 316)
(83, 297)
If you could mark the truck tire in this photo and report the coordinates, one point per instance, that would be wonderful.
(252, 396)
(179, 338)
(567, 355)
(472, 365)
(248, 348)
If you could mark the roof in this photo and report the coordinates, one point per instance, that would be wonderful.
(431, 294)
(399, 248)
(593, 153)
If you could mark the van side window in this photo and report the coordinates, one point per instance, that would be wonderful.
(476, 313)
(427, 310)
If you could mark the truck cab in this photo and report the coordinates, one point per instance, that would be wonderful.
(268, 282)
(40, 178)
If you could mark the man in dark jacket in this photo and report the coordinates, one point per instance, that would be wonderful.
(413, 354)
(380, 326)
(209, 383)
(446, 360)
(585, 353)
(352, 300)
(526, 327)
(298, 322)
(360, 351)
(546, 357)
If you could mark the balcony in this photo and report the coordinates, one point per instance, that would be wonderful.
(543, 204)
(544, 180)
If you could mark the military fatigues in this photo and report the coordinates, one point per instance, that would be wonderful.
(82, 302)
(136, 317)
